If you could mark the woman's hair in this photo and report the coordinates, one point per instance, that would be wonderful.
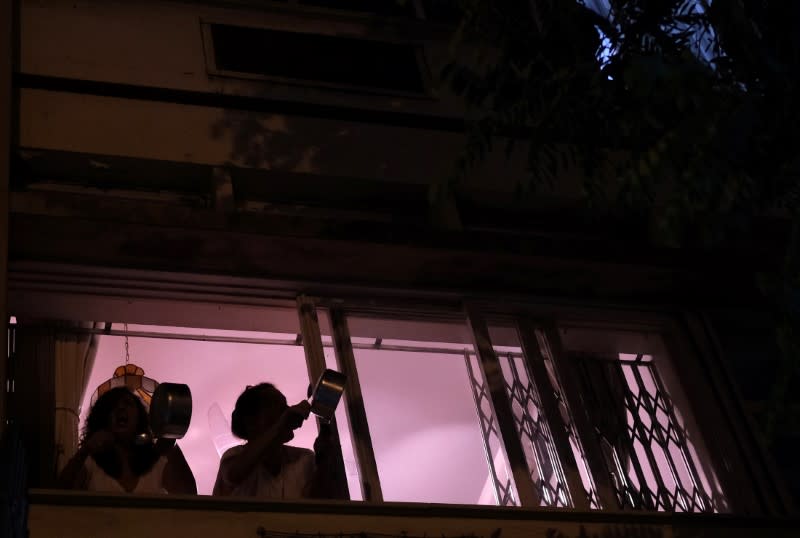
(143, 457)
(248, 405)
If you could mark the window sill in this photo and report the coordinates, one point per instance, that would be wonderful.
(47, 497)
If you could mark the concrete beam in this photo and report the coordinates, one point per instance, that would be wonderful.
(287, 248)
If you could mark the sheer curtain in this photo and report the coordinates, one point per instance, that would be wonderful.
(74, 358)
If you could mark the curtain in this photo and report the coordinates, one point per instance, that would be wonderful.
(74, 358)
(33, 398)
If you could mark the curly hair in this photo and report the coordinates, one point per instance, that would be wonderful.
(248, 404)
(143, 457)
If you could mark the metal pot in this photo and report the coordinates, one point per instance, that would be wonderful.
(171, 411)
(327, 393)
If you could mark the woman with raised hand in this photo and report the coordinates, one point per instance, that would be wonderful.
(117, 453)
(265, 466)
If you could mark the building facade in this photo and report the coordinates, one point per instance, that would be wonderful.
(264, 169)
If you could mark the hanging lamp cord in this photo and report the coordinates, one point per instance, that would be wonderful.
(127, 349)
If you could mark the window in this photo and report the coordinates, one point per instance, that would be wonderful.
(315, 58)
(647, 449)
(531, 422)
(569, 417)
(564, 413)
(650, 451)
(435, 438)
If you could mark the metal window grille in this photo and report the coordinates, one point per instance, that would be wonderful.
(505, 492)
(646, 449)
(590, 490)
(534, 431)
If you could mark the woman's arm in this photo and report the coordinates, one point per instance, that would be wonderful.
(178, 477)
(325, 481)
(74, 475)
(236, 468)
(323, 485)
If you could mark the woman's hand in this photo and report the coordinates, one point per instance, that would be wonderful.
(294, 416)
(74, 475)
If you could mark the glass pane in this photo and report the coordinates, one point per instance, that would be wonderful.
(422, 420)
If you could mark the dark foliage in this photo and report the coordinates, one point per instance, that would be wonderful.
(680, 111)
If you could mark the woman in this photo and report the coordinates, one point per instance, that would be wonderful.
(265, 467)
(114, 456)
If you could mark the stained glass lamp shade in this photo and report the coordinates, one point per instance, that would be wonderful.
(131, 376)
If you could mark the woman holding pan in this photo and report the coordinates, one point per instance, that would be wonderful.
(265, 466)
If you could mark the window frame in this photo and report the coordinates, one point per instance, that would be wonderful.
(745, 476)
(426, 79)
(549, 318)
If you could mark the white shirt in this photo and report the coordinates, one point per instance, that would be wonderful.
(293, 481)
(149, 483)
